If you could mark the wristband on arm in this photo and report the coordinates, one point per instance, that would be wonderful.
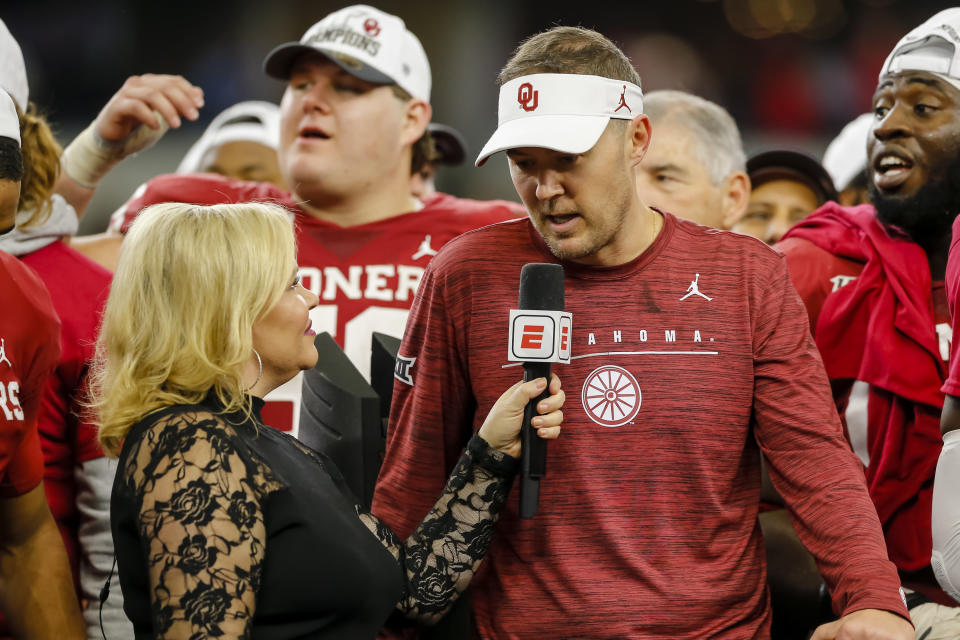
(89, 157)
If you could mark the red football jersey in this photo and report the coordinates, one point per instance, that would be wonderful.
(67, 436)
(29, 350)
(687, 363)
(952, 385)
(365, 276)
(884, 332)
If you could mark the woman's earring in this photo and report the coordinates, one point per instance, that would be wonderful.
(260, 373)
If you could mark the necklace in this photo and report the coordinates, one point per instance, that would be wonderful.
(654, 228)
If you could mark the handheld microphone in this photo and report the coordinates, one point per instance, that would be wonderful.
(540, 333)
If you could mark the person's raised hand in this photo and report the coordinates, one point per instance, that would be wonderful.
(141, 99)
(132, 120)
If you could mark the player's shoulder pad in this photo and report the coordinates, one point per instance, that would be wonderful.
(488, 210)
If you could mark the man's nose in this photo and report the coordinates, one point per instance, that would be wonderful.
(317, 98)
(548, 185)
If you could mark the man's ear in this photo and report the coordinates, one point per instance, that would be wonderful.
(416, 118)
(639, 134)
(736, 197)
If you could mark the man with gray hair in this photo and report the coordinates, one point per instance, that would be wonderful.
(695, 167)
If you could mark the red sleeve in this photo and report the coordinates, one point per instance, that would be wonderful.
(25, 469)
(431, 416)
(815, 273)
(796, 422)
(31, 349)
(200, 188)
(952, 385)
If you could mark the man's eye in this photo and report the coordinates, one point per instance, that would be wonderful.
(924, 109)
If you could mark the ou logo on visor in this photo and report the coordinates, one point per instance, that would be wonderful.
(527, 97)
(610, 396)
(372, 27)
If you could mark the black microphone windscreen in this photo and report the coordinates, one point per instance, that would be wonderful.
(541, 287)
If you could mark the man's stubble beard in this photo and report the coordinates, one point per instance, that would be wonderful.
(597, 237)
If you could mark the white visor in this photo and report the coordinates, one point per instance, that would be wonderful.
(9, 120)
(559, 111)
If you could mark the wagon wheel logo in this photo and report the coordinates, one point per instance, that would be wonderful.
(611, 396)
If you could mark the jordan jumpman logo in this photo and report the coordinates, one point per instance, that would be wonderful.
(425, 249)
(694, 290)
(3, 354)
(623, 101)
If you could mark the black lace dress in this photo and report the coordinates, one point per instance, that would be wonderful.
(226, 528)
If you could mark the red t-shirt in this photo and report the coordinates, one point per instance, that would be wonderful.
(647, 523)
(952, 385)
(29, 350)
(78, 287)
(365, 276)
(883, 329)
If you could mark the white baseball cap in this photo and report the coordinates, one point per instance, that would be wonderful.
(846, 155)
(366, 42)
(13, 72)
(934, 47)
(254, 121)
(559, 111)
(9, 120)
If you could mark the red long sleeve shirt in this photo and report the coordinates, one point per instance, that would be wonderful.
(688, 362)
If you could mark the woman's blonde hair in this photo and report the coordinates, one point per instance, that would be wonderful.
(190, 283)
(41, 166)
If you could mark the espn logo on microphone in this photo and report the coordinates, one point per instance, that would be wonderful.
(540, 336)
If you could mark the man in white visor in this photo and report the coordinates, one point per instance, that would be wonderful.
(690, 355)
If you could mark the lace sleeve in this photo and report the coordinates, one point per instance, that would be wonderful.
(441, 556)
(201, 525)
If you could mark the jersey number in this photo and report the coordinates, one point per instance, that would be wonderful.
(945, 337)
(359, 330)
(9, 398)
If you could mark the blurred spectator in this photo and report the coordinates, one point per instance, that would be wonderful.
(241, 142)
(846, 161)
(449, 149)
(786, 186)
(695, 166)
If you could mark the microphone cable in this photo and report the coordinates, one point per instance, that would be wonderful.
(105, 593)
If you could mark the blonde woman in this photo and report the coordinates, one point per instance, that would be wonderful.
(225, 527)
